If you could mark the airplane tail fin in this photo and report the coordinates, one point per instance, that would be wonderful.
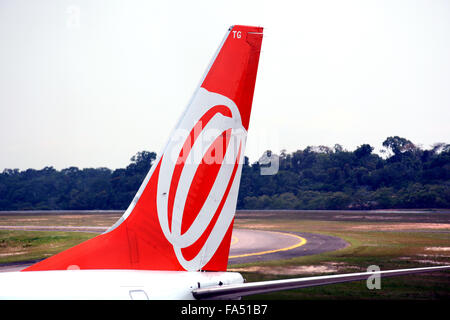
(182, 215)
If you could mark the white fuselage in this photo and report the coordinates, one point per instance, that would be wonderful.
(110, 284)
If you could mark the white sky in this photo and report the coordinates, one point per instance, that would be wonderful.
(90, 83)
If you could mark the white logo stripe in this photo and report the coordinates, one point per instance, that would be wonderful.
(219, 123)
(214, 197)
(217, 234)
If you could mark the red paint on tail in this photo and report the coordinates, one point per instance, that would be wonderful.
(201, 240)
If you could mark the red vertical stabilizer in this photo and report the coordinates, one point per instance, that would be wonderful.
(182, 216)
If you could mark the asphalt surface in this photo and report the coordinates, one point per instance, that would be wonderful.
(247, 245)
(258, 245)
(405, 216)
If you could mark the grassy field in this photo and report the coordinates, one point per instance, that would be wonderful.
(18, 246)
(68, 219)
(389, 245)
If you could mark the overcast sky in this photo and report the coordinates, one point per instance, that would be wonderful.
(90, 83)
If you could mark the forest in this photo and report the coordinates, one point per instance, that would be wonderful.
(318, 177)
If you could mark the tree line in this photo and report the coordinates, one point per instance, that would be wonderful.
(318, 177)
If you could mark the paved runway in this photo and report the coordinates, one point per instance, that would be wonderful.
(256, 245)
(247, 245)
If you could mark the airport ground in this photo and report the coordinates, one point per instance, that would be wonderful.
(388, 239)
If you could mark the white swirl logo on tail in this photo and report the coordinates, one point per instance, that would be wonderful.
(209, 134)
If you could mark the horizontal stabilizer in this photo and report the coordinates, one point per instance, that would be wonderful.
(245, 289)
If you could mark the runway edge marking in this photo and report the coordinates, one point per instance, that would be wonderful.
(302, 242)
